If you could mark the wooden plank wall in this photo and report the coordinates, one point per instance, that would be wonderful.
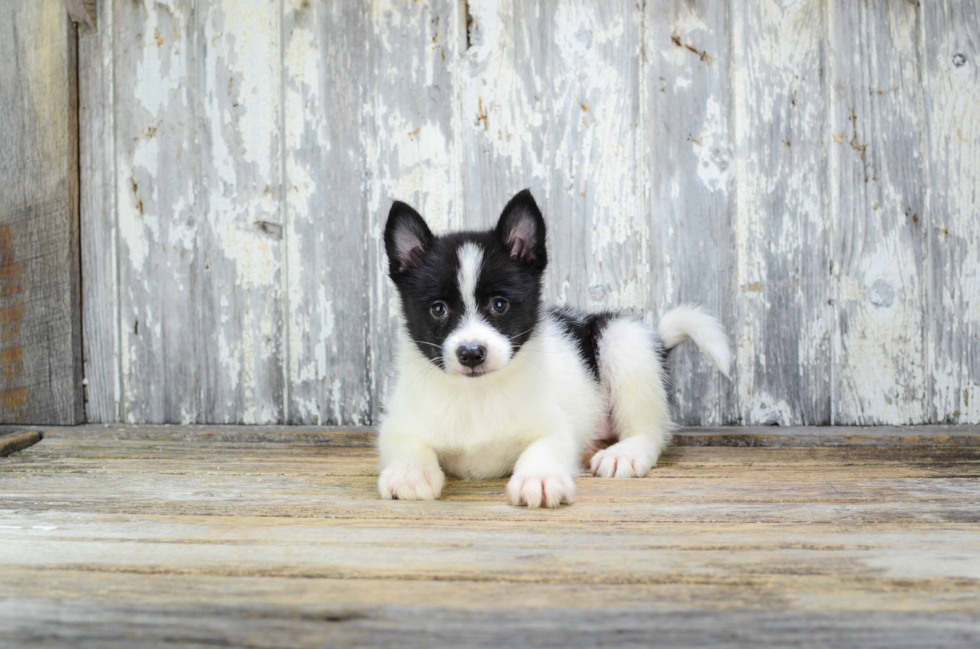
(40, 291)
(806, 170)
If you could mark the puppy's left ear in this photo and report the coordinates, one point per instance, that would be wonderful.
(521, 229)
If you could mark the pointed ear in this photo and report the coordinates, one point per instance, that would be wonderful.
(407, 238)
(521, 229)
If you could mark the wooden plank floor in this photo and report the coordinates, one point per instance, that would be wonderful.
(262, 537)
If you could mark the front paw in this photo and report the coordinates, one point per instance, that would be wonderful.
(411, 482)
(541, 490)
(629, 458)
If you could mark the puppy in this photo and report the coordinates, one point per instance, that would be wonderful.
(492, 383)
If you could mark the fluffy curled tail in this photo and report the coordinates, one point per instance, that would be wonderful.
(691, 322)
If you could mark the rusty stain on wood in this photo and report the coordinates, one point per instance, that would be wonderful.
(482, 116)
(704, 56)
(12, 363)
(9, 269)
(40, 291)
(15, 401)
(9, 318)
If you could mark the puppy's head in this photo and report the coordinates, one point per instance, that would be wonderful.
(469, 299)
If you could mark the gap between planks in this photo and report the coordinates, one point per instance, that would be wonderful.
(939, 436)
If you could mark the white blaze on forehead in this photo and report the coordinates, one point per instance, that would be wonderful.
(473, 328)
(470, 260)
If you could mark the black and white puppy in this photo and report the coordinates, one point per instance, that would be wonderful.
(492, 383)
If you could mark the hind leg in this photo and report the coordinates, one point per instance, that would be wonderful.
(632, 377)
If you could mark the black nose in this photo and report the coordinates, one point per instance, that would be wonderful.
(471, 355)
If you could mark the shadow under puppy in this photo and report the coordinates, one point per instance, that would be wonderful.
(492, 383)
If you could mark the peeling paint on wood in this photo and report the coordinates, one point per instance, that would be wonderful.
(783, 336)
(877, 180)
(550, 100)
(411, 155)
(780, 164)
(688, 148)
(325, 89)
(951, 51)
(198, 145)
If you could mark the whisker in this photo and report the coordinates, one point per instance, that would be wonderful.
(428, 374)
(520, 334)
(422, 342)
(423, 371)
(535, 364)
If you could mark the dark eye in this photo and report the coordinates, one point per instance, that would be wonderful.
(439, 310)
(499, 305)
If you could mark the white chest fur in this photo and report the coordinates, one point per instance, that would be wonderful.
(479, 426)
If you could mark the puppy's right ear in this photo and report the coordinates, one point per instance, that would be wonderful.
(407, 238)
(521, 229)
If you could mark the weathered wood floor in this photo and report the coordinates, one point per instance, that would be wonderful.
(120, 537)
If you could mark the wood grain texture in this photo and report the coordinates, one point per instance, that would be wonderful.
(99, 234)
(600, 243)
(325, 77)
(785, 319)
(803, 169)
(410, 135)
(111, 532)
(83, 12)
(951, 50)
(54, 624)
(198, 184)
(504, 111)
(157, 212)
(939, 436)
(689, 151)
(40, 290)
(878, 167)
(550, 100)
(18, 441)
(241, 153)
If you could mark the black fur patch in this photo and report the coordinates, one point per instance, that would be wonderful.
(664, 355)
(585, 329)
